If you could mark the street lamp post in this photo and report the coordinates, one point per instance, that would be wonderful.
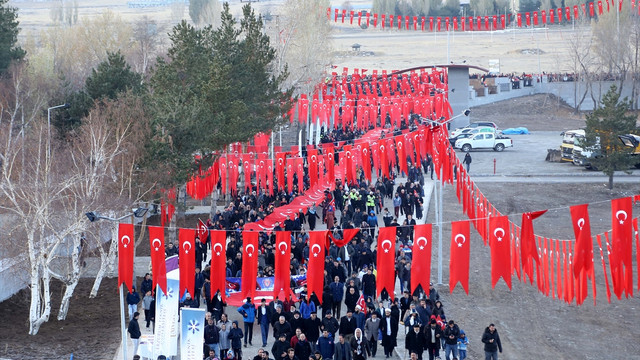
(439, 187)
(95, 216)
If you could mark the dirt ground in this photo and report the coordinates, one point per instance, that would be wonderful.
(91, 330)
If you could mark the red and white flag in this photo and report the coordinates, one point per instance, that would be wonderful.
(202, 231)
(460, 253)
(282, 280)
(187, 263)
(218, 262)
(158, 266)
(386, 260)
(126, 243)
(421, 264)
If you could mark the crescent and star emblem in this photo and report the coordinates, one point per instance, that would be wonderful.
(125, 244)
(184, 247)
(315, 253)
(215, 246)
(280, 247)
(464, 239)
(386, 249)
(153, 243)
(621, 212)
(498, 230)
(250, 254)
(422, 238)
(314, 158)
(280, 161)
(580, 223)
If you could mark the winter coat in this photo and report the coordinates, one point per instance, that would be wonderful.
(224, 338)
(371, 328)
(347, 325)
(133, 298)
(303, 349)
(211, 334)
(451, 334)
(337, 290)
(364, 347)
(369, 284)
(306, 309)
(427, 337)
(134, 329)
(236, 335)
(248, 312)
(414, 342)
(312, 329)
(326, 346)
(350, 300)
(360, 320)
(389, 340)
(486, 339)
(343, 351)
(331, 325)
(278, 348)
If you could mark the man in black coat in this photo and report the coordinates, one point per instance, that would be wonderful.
(351, 299)
(451, 334)
(280, 347)
(432, 336)
(282, 327)
(134, 331)
(491, 341)
(312, 329)
(414, 341)
(389, 328)
(369, 284)
(348, 325)
(330, 324)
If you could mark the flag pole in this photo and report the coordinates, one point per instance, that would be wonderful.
(122, 322)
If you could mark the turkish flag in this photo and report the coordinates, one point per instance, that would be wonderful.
(362, 304)
(290, 172)
(391, 21)
(460, 253)
(500, 243)
(383, 20)
(202, 232)
(315, 273)
(604, 268)
(335, 19)
(247, 159)
(528, 249)
(591, 10)
(543, 15)
(249, 263)
(312, 161)
(637, 238)
(126, 243)
(187, 261)
(622, 244)
(375, 19)
(402, 157)
(583, 256)
(158, 266)
(280, 164)
(282, 280)
(421, 255)
(300, 174)
(386, 260)
(535, 18)
(218, 274)
(519, 17)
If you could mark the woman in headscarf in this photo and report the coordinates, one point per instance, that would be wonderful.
(359, 346)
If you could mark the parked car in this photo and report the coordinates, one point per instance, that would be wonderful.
(469, 132)
(474, 125)
(484, 141)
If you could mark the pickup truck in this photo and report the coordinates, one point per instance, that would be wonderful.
(484, 141)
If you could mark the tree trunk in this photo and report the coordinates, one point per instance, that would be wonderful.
(44, 305)
(72, 282)
(611, 181)
(107, 259)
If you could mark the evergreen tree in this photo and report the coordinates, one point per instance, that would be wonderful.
(112, 77)
(9, 51)
(216, 87)
(603, 127)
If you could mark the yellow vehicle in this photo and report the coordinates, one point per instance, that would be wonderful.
(569, 138)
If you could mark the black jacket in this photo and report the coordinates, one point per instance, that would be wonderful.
(134, 329)
(278, 348)
(490, 346)
(427, 337)
(365, 349)
(348, 326)
(312, 329)
(414, 341)
(211, 334)
(451, 334)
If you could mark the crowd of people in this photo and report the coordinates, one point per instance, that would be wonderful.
(347, 321)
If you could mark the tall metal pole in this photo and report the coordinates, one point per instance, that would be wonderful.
(123, 326)
(440, 221)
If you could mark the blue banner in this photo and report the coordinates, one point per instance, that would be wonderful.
(191, 334)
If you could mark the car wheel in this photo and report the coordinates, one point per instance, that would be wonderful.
(466, 147)
(499, 147)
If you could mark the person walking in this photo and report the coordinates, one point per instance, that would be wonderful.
(134, 331)
(467, 161)
(212, 336)
(133, 298)
(389, 327)
(236, 335)
(451, 334)
(248, 311)
(491, 341)
(264, 314)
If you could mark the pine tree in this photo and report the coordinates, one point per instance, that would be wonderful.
(603, 127)
(9, 51)
(217, 87)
